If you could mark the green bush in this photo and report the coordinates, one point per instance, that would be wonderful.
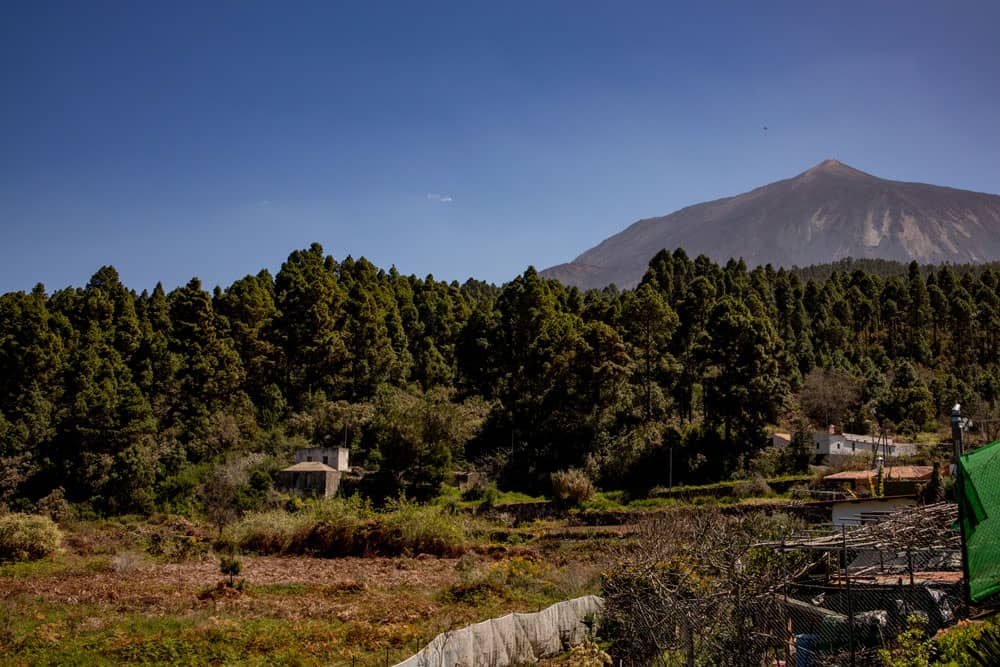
(27, 536)
(422, 529)
(490, 496)
(230, 567)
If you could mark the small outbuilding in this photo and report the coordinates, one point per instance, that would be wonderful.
(897, 480)
(316, 473)
(310, 479)
(335, 457)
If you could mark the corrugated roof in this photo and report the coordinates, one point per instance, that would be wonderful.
(309, 466)
(891, 472)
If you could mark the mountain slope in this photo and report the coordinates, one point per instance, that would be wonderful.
(827, 213)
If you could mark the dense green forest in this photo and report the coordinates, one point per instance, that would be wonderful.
(128, 402)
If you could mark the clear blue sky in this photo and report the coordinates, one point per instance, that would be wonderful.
(462, 139)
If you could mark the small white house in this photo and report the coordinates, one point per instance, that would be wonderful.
(334, 457)
(830, 445)
(316, 472)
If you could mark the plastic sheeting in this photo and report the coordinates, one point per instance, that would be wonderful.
(512, 639)
(981, 517)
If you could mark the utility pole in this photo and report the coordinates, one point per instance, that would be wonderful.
(956, 445)
(956, 434)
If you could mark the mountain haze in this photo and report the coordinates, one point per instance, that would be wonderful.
(827, 213)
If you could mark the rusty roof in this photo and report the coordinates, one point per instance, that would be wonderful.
(891, 472)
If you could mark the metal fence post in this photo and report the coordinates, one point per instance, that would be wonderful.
(850, 603)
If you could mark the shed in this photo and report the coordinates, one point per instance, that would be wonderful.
(897, 479)
(856, 511)
(310, 478)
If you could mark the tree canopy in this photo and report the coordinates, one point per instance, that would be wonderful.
(115, 397)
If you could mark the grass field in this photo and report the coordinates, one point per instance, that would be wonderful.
(118, 592)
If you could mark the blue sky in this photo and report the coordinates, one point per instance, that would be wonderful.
(462, 139)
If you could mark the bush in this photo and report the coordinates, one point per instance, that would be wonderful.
(422, 529)
(490, 496)
(230, 567)
(572, 486)
(755, 487)
(269, 532)
(55, 506)
(474, 593)
(27, 536)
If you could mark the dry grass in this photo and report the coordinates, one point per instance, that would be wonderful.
(104, 600)
(337, 528)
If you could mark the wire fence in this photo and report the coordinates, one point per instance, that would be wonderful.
(860, 600)
(700, 591)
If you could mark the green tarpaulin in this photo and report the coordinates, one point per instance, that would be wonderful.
(981, 519)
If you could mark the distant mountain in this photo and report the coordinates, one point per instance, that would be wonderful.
(822, 215)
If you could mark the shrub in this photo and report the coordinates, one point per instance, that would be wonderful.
(572, 486)
(752, 488)
(474, 593)
(422, 529)
(271, 532)
(474, 491)
(27, 536)
(519, 571)
(771, 462)
(55, 506)
(589, 654)
(230, 567)
(490, 496)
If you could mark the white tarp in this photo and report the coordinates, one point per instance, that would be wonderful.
(512, 639)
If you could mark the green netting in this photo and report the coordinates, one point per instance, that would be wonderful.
(981, 519)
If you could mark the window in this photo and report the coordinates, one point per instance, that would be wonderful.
(326, 460)
(309, 458)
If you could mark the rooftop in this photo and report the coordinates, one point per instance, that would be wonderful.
(309, 466)
(891, 472)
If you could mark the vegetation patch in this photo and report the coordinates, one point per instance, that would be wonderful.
(338, 527)
(475, 592)
(27, 536)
